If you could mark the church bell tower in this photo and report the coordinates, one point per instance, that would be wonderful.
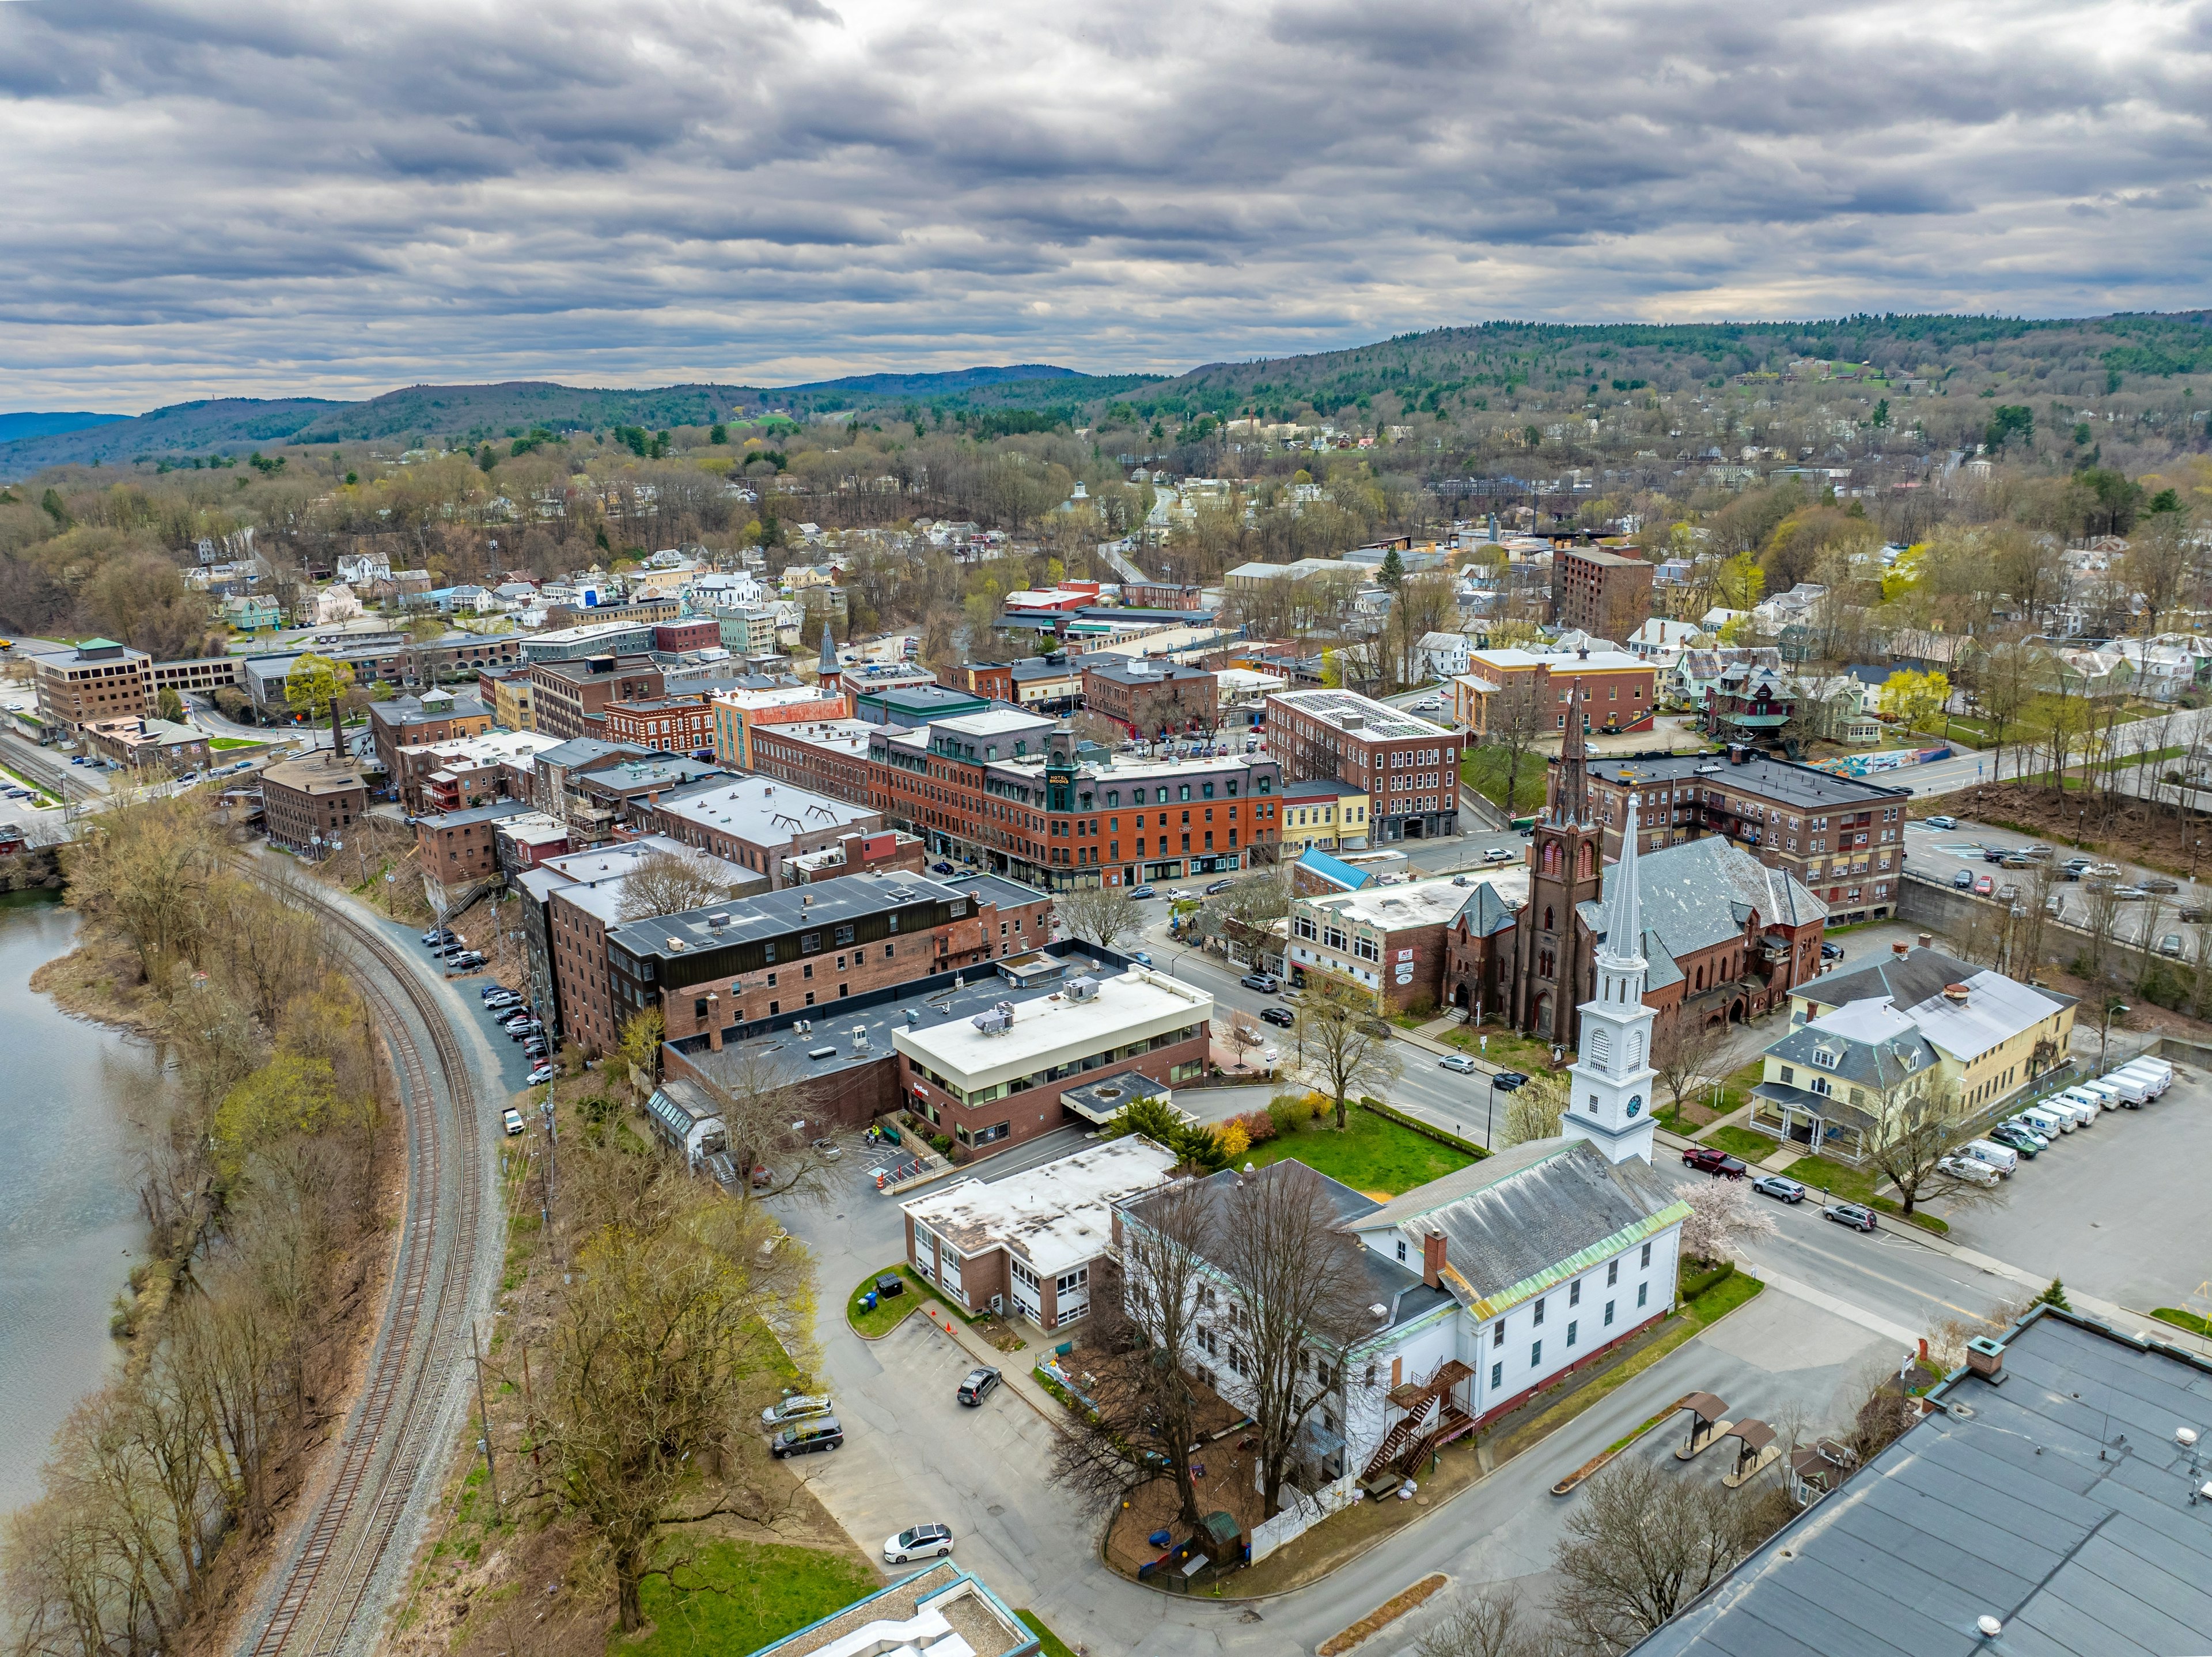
(1610, 1103)
(1566, 854)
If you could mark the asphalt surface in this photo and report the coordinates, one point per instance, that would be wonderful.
(1945, 853)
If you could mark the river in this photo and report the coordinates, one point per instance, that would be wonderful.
(69, 1223)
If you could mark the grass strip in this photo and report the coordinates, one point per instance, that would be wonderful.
(1384, 1614)
(1051, 1644)
(2181, 1319)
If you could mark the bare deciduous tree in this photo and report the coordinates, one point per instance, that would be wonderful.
(1928, 1132)
(1489, 1622)
(772, 1115)
(1640, 1544)
(1686, 1053)
(1342, 1040)
(671, 883)
(1097, 914)
(1295, 1298)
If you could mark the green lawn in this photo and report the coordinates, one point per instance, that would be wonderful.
(1050, 1643)
(1722, 1298)
(1485, 769)
(888, 1315)
(1517, 1052)
(738, 1596)
(1852, 1185)
(1372, 1154)
(234, 742)
(1743, 1142)
(2181, 1319)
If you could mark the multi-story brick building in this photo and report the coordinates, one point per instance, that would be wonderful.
(570, 698)
(711, 969)
(304, 800)
(1150, 698)
(1006, 790)
(1389, 940)
(494, 764)
(1841, 836)
(670, 724)
(1620, 690)
(752, 821)
(734, 716)
(459, 849)
(99, 679)
(1599, 592)
(691, 633)
(828, 755)
(1407, 768)
(202, 674)
(435, 717)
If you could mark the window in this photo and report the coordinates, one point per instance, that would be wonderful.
(1538, 1320)
(1575, 1292)
(1497, 1333)
(1612, 1273)
(1496, 1376)
(1571, 1327)
(1647, 1254)
(1609, 1315)
(1642, 1292)
(1536, 1354)
(1401, 1241)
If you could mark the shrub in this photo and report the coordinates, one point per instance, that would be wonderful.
(1232, 1139)
(1283, 1113)
(1259, 1127)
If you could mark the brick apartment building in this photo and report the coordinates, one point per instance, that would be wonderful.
(672, 724)
(1005, 789)
(691, 633)
(1389, 940)
(569, 699)
(1619, 691)
(1600, 591)
(1841, 836)
(414, 721)
(1151, 698)
(457, 849)
(301, 798)
(734, 715)
(752, 821)
(1407, 768)
(728, 965)
(99, 679)
(827, 755)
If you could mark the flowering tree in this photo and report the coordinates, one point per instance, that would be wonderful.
(1721, 1217)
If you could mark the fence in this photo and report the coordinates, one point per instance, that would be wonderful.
(1304, 1512)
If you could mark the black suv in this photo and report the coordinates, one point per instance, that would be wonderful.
(823, 1433)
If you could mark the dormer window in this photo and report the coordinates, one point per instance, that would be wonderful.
(1825, 1057)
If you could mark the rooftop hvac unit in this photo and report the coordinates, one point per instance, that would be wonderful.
(821, 1053)
(1084, 988)
(860, 1037)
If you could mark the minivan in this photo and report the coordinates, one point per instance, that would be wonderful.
(796, 1407)
(2047, 1122)
(2002, 1158)
(823, 1433)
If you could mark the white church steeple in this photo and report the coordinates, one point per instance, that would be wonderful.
(1611, 1077)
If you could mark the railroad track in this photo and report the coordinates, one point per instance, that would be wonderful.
(327, 1598)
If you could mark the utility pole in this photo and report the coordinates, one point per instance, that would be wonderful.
(483, 1418)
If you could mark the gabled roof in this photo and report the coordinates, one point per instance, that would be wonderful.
(1868, 1042)
(1701, 892)
(1531, 1216)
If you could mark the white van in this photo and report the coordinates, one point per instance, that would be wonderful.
(2049, 1122)
(2002, 1158)
(2154, 1075)
(1970, 1169)
(2094, 1097)
(2132, 1085)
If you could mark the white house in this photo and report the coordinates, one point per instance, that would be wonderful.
(363, 568)
(336, 603)
(1660, 636)
(1444, 656)
(1490, 1283)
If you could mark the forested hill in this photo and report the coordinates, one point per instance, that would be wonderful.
(1423, 369)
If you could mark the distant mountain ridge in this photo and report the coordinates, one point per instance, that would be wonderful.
(14, 428)
(475, 412)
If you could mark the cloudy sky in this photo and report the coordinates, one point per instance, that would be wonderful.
(236, 197)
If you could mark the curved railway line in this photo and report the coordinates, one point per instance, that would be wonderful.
(327, 1597)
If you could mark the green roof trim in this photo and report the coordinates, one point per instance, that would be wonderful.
(1485, 1308)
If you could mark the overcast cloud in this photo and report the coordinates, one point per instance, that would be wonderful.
(239, 197)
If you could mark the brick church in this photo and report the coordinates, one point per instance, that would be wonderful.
(1726, 936)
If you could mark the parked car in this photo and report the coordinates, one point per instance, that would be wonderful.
(539, 1073)
(2077, 867)
(1281, 1017)
(941, 869)
(1219, 886)
(1138, 894)
(467, 961)
(1985, 885)
(511, 1119)
(2041, 854)
(1458, 1062)
(2169, 945)
(2018, 859)
(2161, 884)
(1851, 1214)
(1773, 1185)
(1963, 880)
(808, 1436)
(1968, 1169)
(1176, 895)
(2024, 1140)
(1266, 983)
(1994, 854)
(1832, 952)
(1711, 1159)
(919, 1542)
(2131, 894)
(1499, 854)
(2195, 914)
(437, 938)
(977, 1385)
(1946, 824)
(797, 1407)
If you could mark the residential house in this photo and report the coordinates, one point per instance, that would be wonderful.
(1749, 704)
(1444, 656)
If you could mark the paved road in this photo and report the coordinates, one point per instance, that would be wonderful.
(1966, 768)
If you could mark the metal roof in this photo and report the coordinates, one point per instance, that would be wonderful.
(2057, 1502)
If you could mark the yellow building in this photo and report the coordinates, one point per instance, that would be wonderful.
(511, 704)
(1865, 1050)
(1323, 814)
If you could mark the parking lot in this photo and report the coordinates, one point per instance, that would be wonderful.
(1946, 855)
(2116, 1208)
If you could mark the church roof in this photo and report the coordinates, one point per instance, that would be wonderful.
(1532, 1216)
(1700, 894)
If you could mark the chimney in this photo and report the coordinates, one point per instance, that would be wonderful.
(1432, 1258)
(1927, 940)
(713, 1023)
(1986, 1357)
(1900, 950)
(1955, 994)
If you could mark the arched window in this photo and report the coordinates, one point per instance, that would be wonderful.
(1587, 855)
(1547, 918)
(1601, 1046)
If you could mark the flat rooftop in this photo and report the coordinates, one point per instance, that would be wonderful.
(1396, 908)
(1770, 779)
(1140, 1003)
(1054, 1216)
(778, 914)
(763, 812)
(1377, 719)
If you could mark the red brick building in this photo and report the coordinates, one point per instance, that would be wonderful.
(1152, 698)
(301, 798)
(670, 724)
(457, 848)
(1407, 768)
(697, 634)
(1600, 591)
(569, 699)
(828, 756)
